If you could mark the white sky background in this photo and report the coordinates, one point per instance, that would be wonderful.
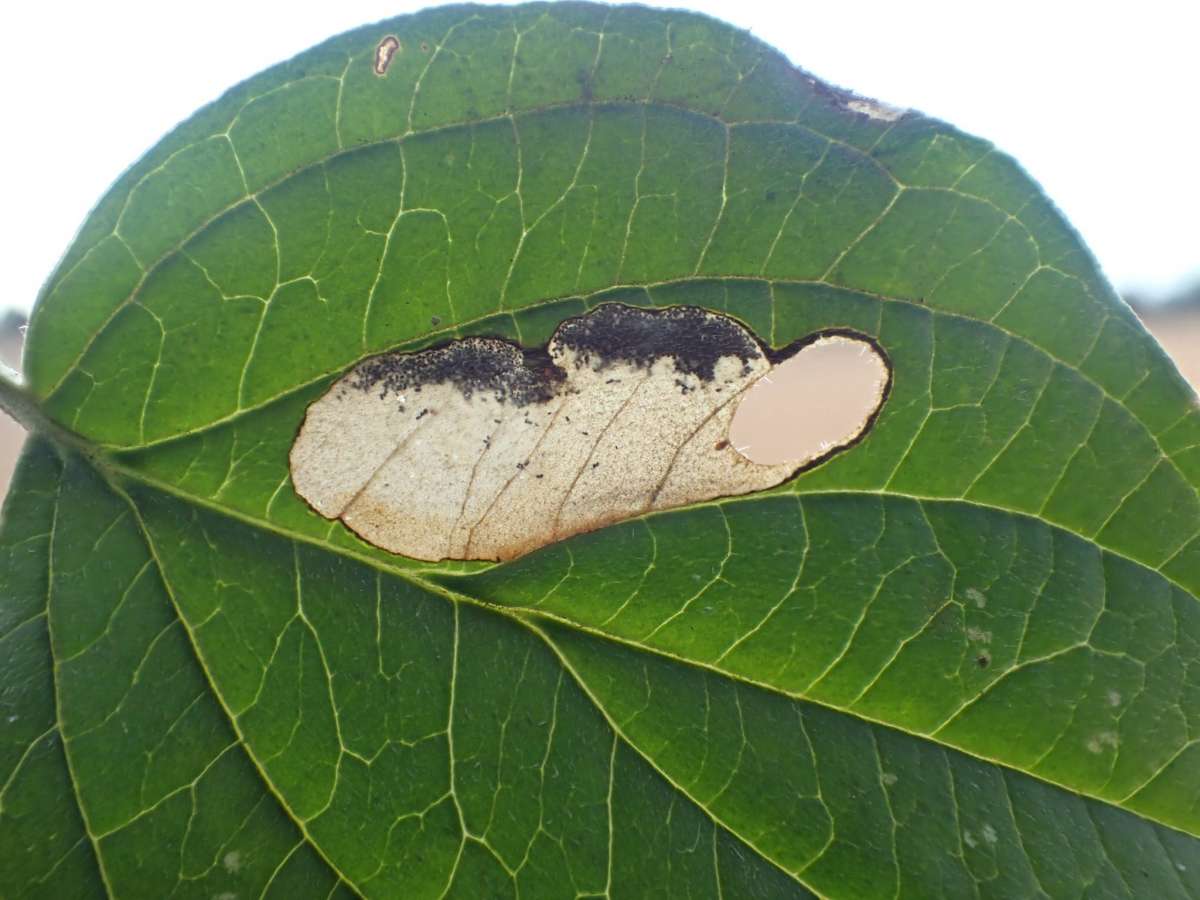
(1097, 100)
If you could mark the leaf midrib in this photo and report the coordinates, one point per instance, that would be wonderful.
(529, 617)
(528, 620)
(118, 474)
(448, 333)
(453, 598)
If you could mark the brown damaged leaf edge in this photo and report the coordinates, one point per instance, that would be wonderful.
(479, 449)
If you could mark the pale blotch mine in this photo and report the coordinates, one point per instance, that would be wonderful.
(873, 109)
(479, 450)
(384, 52)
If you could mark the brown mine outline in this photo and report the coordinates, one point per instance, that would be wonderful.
(787, 352)
(385, 52)
(537, 362)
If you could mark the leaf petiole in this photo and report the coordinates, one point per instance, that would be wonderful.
(23, 407)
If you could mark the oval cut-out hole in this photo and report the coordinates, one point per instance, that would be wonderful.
(820, 399)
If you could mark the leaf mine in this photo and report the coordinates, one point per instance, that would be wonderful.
(384, 52)
(478, 449)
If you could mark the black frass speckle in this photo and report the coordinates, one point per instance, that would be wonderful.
(474, 365)
(694, 338)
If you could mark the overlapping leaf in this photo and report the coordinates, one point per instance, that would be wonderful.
(960, 659)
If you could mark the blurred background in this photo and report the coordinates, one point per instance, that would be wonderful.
(1095, 100)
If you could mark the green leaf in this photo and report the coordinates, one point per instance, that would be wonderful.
(960, 658)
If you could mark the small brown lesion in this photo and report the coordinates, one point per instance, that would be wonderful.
(384, 53)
